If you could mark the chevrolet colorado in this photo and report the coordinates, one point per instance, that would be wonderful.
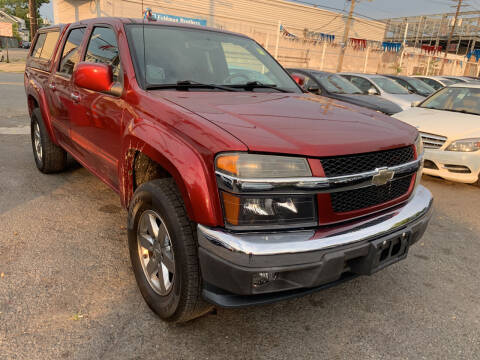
(241, 189)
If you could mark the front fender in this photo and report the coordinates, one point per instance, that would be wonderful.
(189, 167)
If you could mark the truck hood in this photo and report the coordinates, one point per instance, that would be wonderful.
(452, 125)
(302, 124)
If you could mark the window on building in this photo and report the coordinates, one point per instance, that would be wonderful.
(103, 48)
(71, 51)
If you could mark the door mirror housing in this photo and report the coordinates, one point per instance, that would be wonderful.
(372, 91)
(96, 77)
(299, 79)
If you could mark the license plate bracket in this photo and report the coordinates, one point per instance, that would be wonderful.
(382, 253)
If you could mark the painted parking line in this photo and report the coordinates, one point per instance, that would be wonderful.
(11, 83)
(19, 130)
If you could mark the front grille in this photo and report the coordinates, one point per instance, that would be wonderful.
(354, 164)
(370, 196)
(431, 141)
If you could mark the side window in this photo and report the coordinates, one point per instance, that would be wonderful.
(37, 49)
(103, 48)
(361, 83)
(405, 84)
(49, 45)
(71, 52)
(432, 83)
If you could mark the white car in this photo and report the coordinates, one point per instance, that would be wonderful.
(383, 87)
(449, 122)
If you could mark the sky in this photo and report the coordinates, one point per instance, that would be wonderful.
(378, 9)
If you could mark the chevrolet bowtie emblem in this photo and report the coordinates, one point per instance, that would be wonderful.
(382, 176)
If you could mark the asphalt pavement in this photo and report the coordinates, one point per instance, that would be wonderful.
(67, 289)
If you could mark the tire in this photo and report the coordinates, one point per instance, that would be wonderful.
(49, 157)
(182, 301)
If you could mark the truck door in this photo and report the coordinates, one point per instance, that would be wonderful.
(96, 118)
(60, 85)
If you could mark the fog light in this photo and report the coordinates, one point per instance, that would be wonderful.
(263, 278)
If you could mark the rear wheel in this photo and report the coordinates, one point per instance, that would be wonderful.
(163, 251)
(49, 157)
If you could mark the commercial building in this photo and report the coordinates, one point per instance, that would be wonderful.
(246, 16)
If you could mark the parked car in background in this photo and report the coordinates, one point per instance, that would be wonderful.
(461, 79)
(383, 87)
(25, 45)
(449, 122)
(413, 85)
(336, 87)
(238, 192)
(437, 82)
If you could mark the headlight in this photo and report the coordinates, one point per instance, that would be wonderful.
(251, 166)
(464, 145)
(243, 211)
(419, 146)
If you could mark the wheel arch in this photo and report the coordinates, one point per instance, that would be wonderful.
(185, 165)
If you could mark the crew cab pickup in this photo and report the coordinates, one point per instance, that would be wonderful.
(241, 189)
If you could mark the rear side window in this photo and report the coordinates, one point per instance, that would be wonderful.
(37, 49)
(103, 48)
(45, 45)
(71, 52)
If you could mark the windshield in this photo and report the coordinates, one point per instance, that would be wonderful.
(389, 86)
(420, 86)
(337, 84)
(175, 54)
(457, 99)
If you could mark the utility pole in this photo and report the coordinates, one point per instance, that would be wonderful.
(345, 36)
(32, 12)
(459, 5)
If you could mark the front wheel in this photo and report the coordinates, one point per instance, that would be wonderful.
(163, 251)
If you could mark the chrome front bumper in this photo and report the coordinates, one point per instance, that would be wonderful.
(287, 248)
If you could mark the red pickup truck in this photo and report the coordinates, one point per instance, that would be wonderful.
(241, 189)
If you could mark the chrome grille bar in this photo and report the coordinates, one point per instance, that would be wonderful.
(431, 141)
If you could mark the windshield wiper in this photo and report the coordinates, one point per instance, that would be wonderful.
(249, 86)
(188, 84)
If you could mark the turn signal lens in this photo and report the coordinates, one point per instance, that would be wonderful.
(253, 166)
(228, 163)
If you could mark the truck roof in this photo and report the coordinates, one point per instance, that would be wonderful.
(122, 20)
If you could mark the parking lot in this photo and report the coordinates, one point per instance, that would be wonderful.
(67, 289)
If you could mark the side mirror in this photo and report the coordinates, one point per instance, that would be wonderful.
(372, 91)
(299, 79)
(416, 103)
(96, 77)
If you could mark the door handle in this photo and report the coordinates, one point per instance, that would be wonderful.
(52, 86)
(75, 97)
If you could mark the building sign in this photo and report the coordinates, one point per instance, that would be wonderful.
(179, 19)
(6, 29)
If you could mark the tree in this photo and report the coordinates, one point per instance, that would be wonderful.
(19, 8)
